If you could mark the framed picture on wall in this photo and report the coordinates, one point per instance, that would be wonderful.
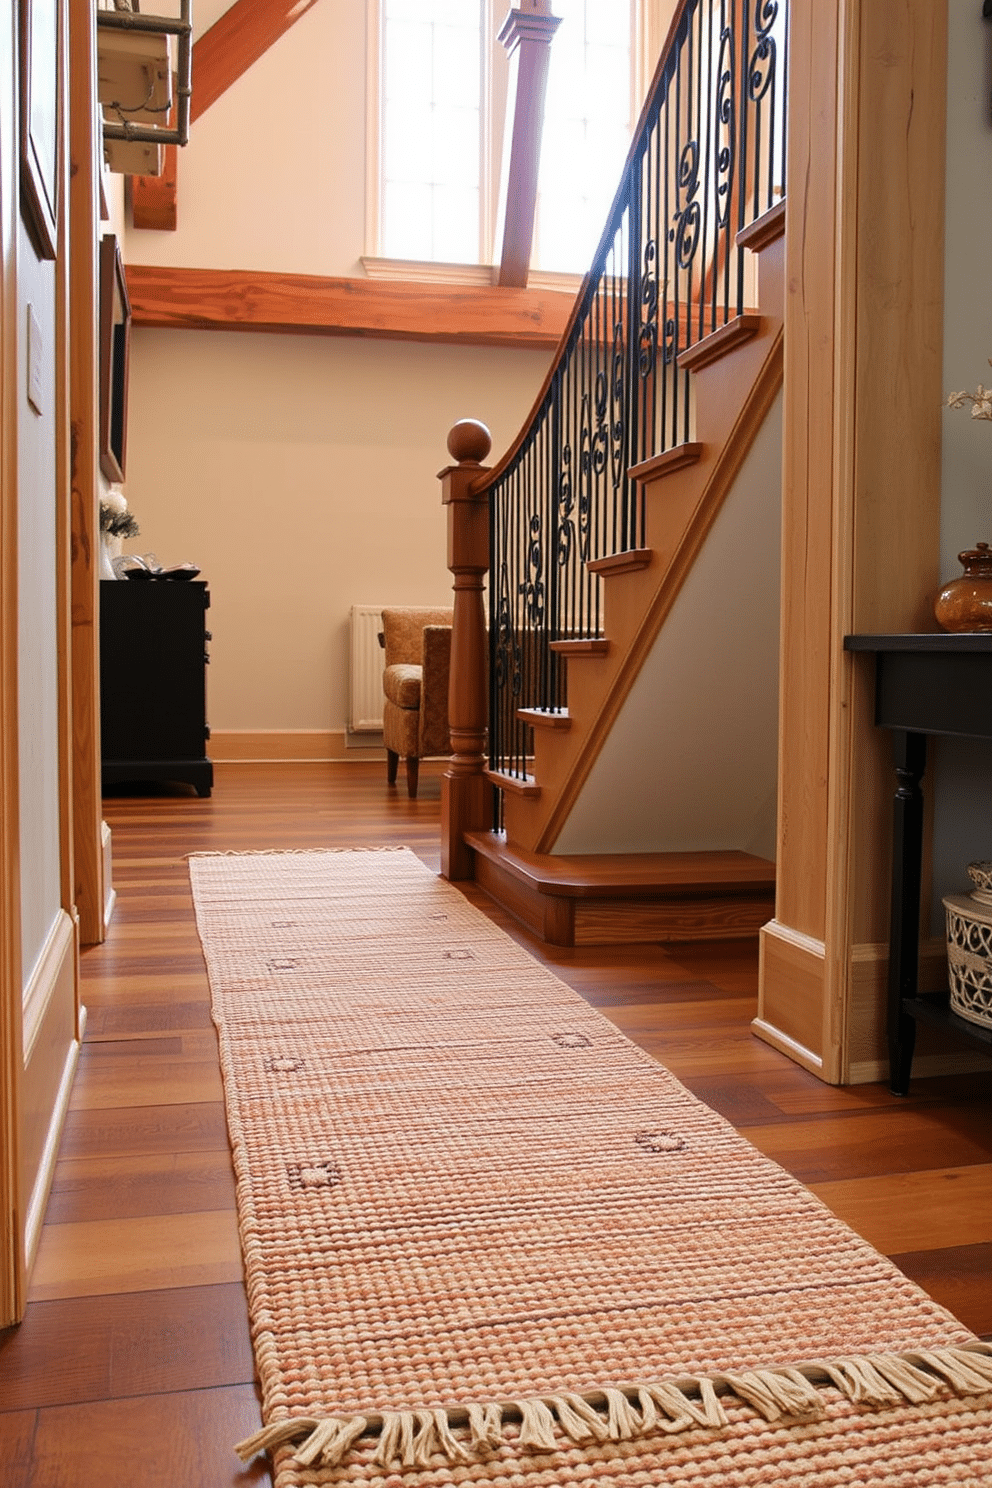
(115, 346)
(40, 49)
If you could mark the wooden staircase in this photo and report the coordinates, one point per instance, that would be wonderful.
(626, 898)
(588, 899)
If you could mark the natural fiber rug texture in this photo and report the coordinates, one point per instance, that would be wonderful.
(487, 1240)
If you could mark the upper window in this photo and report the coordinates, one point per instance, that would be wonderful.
(442, 87)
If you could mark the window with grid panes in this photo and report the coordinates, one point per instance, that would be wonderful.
(440, 141)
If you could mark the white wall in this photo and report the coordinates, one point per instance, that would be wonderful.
(691, 762)
(963, 768)
(298, 472)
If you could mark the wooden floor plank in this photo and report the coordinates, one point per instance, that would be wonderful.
(137, 1343)
(178, 1440)
(115, 1187)
(133, 1362)
(17, 1434)
(96, 1257)
(885, 1140)
(168, 1081)
(916, 1211)
(959, 1277)
(128, 1131)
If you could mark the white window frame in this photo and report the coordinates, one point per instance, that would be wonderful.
(649, 24)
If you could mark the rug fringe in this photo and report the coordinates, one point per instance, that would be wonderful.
(413, 1438)
(295, 852)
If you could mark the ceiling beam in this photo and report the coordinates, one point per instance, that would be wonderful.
(235, 42)
(309, 304)
(223, 53)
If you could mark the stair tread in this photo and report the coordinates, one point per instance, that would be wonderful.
(629, 875)
(551, 718)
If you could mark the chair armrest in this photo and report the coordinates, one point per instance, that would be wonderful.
(434, 690)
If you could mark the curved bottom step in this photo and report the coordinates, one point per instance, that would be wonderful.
(624, 898)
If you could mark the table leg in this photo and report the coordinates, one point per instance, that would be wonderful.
(910, 751)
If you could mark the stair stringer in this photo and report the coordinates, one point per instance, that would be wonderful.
(733, 395)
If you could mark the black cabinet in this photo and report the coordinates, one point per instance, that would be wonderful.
(924, 684)
(153, 655)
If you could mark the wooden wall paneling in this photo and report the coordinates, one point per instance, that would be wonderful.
(12, 1280)
(63, 537)
(861, 471)
(242, 299)
(84, 217)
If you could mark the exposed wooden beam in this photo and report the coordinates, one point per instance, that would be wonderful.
(154, 198)
(235, 42)
(223, 53)
(308, 304)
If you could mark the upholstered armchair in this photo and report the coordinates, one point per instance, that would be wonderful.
(415, 683)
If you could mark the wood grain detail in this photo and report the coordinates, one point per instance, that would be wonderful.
(617, 898)
(591, 646)
(234, 43)
(620, 563)
(867, 113)
(84, 209)
(310, 304)
(11, 986)
(513, 785)
(676, 458)
(155, 199)
(719, 343)
(764, 229)
(544, 718)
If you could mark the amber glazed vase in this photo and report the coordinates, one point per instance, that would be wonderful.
(966, 602)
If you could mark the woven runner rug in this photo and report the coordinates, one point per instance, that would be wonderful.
(487, 1240)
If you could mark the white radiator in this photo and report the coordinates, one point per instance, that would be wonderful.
(366, 669)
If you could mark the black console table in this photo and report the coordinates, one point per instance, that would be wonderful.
(924, 684)
(153, 654)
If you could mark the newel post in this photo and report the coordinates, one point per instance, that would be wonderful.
(466, 795)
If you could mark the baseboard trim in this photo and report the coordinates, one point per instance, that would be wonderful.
(109, 892)
(925, 1066)
(38, 1201)
(288, 746)
(45, 978)
(789, 1046)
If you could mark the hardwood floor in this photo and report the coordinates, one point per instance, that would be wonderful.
(134, 1365)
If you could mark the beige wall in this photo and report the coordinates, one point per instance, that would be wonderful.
(297, 472)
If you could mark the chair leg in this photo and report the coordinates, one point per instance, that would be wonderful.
(392, 764)
(412, 775)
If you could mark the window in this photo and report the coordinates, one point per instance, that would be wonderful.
(441, 94)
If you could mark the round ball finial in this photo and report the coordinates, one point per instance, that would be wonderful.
(469, 442)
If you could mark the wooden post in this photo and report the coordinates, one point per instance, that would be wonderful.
(466, 795)
(526, 34)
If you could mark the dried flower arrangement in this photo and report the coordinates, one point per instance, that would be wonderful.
(980, 400)
(115, 518)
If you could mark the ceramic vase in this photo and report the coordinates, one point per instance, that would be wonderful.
(966, 602)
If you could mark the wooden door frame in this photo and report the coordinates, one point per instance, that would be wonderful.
(83, 567)
(861, 484)
(11, 1038)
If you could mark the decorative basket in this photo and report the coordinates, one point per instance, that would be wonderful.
(969, 957)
